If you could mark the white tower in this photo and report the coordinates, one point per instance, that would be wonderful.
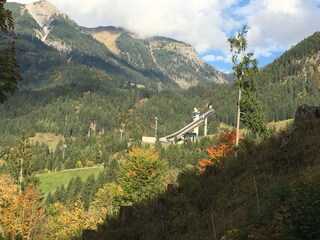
(205, 131)
(196, 116)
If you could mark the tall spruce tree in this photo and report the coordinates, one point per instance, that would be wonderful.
(9, 70)
(60, 195)
(20, 164)
(245, 68)
(88, 191)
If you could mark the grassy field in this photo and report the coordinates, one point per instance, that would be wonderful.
(49, 139)
(279, 125)
(50, 181)
(225, 126)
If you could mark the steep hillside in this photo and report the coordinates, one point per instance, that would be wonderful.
(269, 190)
(292, 79)
(174, 60)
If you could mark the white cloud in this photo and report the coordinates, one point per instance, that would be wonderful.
(213, 58)
(283, 6)
(225, 70)
(276, 25)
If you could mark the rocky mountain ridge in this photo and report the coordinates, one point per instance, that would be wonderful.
(158, 59)
(184, 55)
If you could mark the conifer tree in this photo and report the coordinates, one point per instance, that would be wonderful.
(73, 190)
(60, 194)
(9, 71)
(49, 199)
(88, 191)
(20, 163)
(245, 68)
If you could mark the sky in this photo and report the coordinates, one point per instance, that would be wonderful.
(273, 25)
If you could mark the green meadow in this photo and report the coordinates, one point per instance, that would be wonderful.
(50, 181)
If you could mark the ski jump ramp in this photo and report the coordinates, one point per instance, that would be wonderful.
(187, 129)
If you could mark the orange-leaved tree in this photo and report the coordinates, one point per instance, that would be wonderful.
(224, 146)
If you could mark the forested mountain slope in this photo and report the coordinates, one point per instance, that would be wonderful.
(96, 91)
(302, 60)
(292, 79)
(50, 43)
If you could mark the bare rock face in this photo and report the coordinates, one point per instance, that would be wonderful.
(306, 113)
(43, 13)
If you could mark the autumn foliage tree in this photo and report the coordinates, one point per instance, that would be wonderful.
(64, 223)
(107, 202)
(20, 213)
(141, 174)
(224, 146)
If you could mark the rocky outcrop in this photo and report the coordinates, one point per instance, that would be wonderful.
(305, 116)
(306, 113)
(43, 13)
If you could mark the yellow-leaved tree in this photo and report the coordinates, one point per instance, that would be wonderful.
(107, 202)
(141, 175)
(20, 213)
(63, 223)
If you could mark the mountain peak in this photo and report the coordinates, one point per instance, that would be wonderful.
(43, 11)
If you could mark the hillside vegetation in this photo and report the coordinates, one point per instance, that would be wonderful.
(269, 190)
(300, 61)
(292, 79)
(175, 63)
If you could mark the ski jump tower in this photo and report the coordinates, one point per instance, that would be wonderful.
(190, 130)
(196, 117)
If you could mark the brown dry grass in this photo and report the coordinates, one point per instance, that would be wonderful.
(49, 139)
(279, 125)
(108, 39)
